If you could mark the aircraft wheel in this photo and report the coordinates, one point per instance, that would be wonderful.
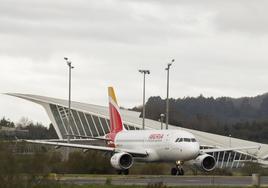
(180, 172)
(174, 171)
(119, 172)
(126, 172)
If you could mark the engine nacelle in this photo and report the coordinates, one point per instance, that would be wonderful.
(121, 161)
(205, 162)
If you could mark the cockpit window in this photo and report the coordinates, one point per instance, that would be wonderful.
(193, 140)
(178, 140)
(187, 140)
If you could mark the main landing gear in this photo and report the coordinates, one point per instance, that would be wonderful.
(125, 172)
(178, 170)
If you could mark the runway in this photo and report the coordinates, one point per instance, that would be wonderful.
(167, 180)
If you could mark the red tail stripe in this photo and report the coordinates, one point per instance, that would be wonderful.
(115, 119)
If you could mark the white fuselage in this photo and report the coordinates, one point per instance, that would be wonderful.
(161, 145)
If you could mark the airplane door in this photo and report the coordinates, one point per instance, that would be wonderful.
(166, 144)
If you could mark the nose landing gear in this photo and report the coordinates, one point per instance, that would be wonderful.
(178, 170)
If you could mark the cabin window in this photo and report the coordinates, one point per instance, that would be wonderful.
(193, 140)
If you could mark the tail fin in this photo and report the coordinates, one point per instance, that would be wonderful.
(116, 124)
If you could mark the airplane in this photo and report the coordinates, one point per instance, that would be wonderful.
(129, 146)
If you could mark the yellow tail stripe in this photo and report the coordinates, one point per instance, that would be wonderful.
(112, 94)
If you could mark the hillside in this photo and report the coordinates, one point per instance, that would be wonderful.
(223, 115)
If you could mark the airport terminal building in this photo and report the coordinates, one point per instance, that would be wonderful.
(93, 120)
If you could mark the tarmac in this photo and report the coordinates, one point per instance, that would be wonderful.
(166, 180)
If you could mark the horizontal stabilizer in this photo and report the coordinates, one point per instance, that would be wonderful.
(91, 137)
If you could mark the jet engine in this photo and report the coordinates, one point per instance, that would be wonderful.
(121, 161)
(205, 162)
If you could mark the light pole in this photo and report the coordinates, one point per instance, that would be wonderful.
(69, 63)
(230, 141)
(162, 119)
(144, 72)
(167, 102)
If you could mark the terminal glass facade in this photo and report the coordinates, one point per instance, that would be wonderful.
(81, 123)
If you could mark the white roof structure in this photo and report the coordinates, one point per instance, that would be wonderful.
(93, 120)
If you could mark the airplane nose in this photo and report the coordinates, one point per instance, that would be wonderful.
(196, 149)
(191, 151)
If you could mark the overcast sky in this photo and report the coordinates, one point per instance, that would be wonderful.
(220, 49)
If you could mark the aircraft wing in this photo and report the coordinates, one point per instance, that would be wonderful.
(228, 149)
(134, 153)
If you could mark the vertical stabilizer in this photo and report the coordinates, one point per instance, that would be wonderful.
(116, 124)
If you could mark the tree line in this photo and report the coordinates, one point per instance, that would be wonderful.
(26, 129)
(224, 115)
